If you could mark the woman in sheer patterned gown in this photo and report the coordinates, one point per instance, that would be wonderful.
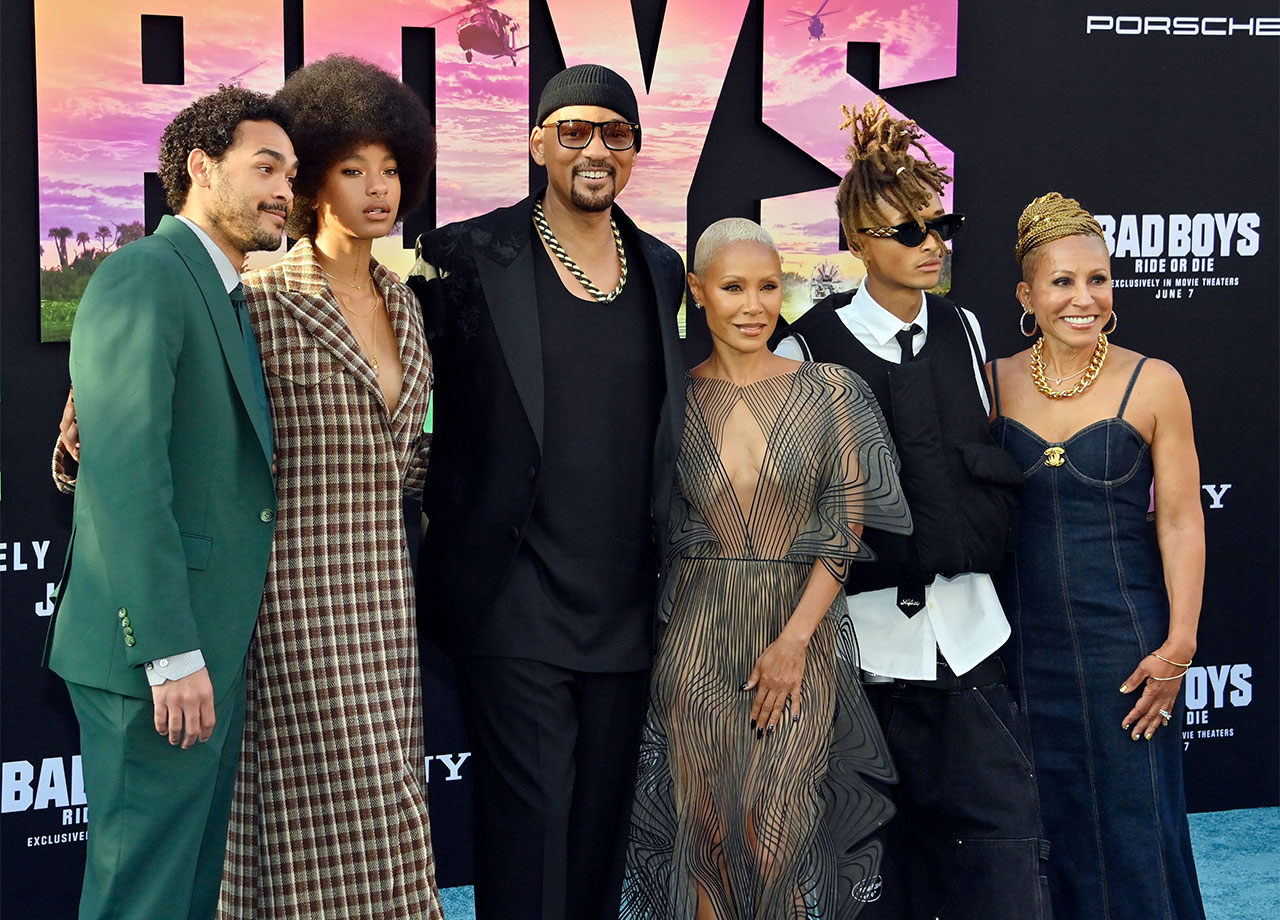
(752, 798)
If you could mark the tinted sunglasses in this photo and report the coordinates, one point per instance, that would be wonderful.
(913, 234)
(576, 133)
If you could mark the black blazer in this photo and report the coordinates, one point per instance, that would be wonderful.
(475, 281)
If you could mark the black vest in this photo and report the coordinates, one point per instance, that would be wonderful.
(961, 487)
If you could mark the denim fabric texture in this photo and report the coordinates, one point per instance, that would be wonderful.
(1086, 600)
(966, 843)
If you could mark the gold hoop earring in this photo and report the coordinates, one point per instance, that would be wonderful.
(1114, 322)
(1022, 324)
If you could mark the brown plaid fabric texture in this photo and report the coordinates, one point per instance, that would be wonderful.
(329, 818)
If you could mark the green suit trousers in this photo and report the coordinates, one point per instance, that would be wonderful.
(157, 814)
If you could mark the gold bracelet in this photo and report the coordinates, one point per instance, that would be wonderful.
(1176, 664)
(1174, 677)
(61, 478)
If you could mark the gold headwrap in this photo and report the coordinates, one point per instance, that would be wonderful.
(1051, 217)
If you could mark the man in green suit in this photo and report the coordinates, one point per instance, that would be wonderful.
(173, 518)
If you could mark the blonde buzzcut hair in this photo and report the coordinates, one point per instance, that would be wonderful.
(723, 233)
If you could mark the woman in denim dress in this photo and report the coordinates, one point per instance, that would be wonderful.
(1103, 596)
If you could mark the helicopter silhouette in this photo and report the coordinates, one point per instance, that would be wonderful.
(485, 30)
(816, 28)
(235, 81)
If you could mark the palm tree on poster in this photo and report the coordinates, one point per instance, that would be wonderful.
(83, 239)
(127, 233)
(59, 236)
(103, 234)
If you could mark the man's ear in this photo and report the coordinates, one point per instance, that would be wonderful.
(536, 138)
(199, 168)
(854, 242)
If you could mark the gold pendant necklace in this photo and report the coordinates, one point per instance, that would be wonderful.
(370, 354)
(350, 284)
(1059, 381)
(1091, 370)
(342, 301)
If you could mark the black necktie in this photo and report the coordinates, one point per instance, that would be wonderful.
(905, 339)
(250, 347)
(911, 598)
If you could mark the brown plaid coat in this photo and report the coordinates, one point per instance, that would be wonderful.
(329, 818)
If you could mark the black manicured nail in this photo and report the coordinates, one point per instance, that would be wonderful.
(744, 685)
(759, 733)
(753, 723)
(771, 729)
(796, 717)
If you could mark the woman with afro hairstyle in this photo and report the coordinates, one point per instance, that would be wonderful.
(329, 817)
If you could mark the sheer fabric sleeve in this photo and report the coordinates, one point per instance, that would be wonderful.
(686, 529)
(858, 473)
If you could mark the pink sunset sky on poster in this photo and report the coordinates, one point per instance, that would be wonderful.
(99, 125)
(805, 84)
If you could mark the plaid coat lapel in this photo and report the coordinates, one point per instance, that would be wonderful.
(308, 298)
(406, 319)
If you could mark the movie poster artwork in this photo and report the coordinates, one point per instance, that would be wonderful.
(100, 124)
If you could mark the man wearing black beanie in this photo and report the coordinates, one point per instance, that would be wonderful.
(558, 412)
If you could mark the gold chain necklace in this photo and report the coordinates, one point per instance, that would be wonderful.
(544, 229)
(371, 354)
(1091, 370)
(342, 301)
(350, 284)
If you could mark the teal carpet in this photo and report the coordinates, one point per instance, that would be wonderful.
(1237, 856)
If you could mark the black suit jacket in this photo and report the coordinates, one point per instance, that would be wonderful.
(482, 324)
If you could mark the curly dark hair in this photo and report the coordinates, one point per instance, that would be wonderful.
(209, 124)
(341, 103)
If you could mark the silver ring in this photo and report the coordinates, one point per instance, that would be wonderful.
(1167, 715)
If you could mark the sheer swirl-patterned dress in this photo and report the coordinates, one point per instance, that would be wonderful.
(775, 827)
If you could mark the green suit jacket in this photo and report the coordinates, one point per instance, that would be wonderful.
(175, 503)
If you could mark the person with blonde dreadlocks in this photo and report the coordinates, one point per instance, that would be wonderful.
(1104, 601)
(966, 844)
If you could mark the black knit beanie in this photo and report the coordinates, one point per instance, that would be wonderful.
(588, 84)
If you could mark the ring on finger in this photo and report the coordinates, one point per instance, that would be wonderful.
(1166, 715)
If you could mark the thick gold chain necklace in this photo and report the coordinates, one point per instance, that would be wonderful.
(544, 230)
(1090, 372)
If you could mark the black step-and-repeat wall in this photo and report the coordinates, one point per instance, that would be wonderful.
(1161, 118)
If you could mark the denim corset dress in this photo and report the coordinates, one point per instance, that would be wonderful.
(1086, 598)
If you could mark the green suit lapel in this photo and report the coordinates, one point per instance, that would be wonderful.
(222, 314)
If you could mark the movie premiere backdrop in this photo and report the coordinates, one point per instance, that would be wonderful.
(1162, 118)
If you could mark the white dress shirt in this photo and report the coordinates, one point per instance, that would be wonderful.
(962, 618)
(185, 664)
